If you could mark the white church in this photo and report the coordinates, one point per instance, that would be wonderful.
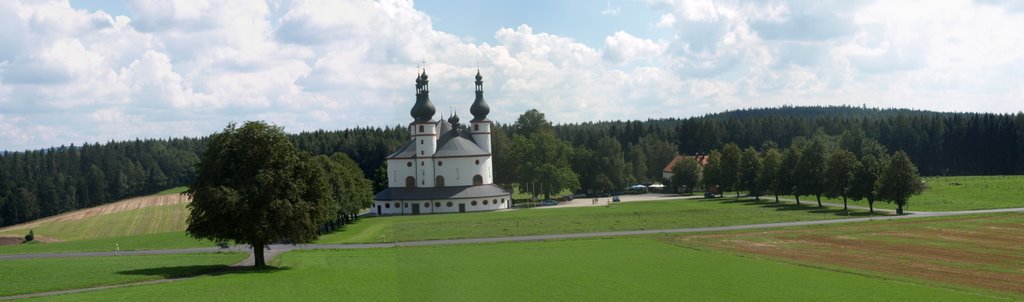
(443, 168)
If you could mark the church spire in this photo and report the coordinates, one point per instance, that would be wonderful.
(479, 109)
(423, 110)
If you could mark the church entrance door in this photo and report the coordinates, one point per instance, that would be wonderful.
(415, 209)
(379, 213)
(462, 208)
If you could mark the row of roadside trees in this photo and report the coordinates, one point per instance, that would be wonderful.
(847, 166)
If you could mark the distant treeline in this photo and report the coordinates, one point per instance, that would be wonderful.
(939, 143)
(41, 183)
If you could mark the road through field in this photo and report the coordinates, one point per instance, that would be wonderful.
(279, 248)
(276, 249)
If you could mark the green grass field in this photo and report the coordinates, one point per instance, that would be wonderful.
(617, 217)
(40, 275)
(958, 193)
(169, 240)
(621, 269)
(175, 190)
(147, 220)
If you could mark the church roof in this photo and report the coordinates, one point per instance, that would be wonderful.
(406, 151)
(444, 126)
(457, 143)
(481, 191)
(451, 144)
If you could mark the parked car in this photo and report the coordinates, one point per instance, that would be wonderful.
(616, 199)
(549, 202)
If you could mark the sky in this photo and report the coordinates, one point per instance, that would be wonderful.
(95, 71)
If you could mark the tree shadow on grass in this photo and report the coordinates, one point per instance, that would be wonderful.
(809, 206)
(170, 272)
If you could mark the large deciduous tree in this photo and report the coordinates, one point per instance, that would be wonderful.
(768, 176)
(786, 176)
(730, 168)
(840, 169)
(899, 181)
(750, 167)
(349, 189)
(713, 173)
(255, 187)
(686, 174)
(810, 170)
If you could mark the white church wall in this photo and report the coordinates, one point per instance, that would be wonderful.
(442, 206)
(398, 170)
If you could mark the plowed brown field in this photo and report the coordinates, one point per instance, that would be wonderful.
(978, 251)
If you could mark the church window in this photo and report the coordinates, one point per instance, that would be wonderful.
(476, 127)
(426, 204)
(439, 181)
(478, 180)
(421, 128)
(421, 152)
(387, 205)
(478, 162)
(449, 204)
(495, 201)
(408, 164)
(439, 163)
(473, 203)
(422, 163)
(410, 182)
(421, 142)
(406, 205)
(437, 204)
(485, 202)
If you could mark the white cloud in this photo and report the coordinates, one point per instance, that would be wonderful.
(667, 21)
(188, 67)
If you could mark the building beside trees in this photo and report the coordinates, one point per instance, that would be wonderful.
(442, 168)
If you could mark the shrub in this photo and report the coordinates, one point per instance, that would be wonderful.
(31, 235)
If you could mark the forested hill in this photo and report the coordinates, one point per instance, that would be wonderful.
(45, 182)
(822, 111)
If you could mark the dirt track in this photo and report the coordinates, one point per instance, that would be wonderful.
(119, 206)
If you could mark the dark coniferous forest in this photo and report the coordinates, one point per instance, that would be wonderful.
(40, 183)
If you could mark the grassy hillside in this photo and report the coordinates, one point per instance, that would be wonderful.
(136, 216)
(170, 240)
(958, 193)
(617, 217)
(622, 269)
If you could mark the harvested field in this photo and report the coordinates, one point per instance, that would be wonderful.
(120, 206)
(140, 215)
(977, 251)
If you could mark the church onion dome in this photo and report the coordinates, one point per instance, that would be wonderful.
(454, 119)
(423, 110)
(479, 108)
